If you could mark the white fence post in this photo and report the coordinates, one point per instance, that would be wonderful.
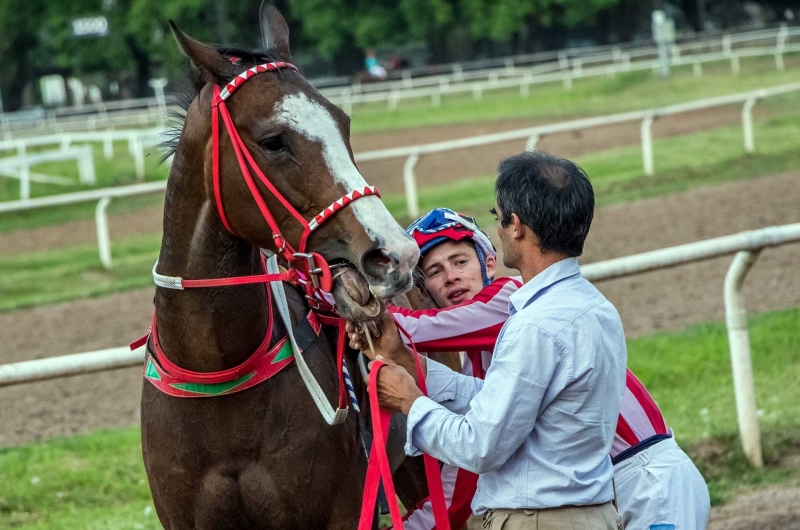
(647, 144)
(567, 80)
(783, 35)
(458, 72)
(103, 239)
(108, 147)
(735, 64)
(697, 68)
(86, 165)
(407, 82)
(563, 61)
(410, 182)
(137, 152)
(530, 144)
(779, 62)
(747, 123)
(394, 97)
(436, 100)
(347, 100)
(25, 181)
(739, 339)
(525, 86)
(577, 67)
(477, 92)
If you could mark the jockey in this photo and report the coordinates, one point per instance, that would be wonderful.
(657, 485)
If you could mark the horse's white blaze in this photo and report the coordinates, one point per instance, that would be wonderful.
(313, 121)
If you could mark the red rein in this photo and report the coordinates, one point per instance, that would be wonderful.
(379, 468)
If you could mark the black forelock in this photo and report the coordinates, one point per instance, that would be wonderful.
(188, 87)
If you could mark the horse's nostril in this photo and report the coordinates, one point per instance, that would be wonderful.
(377, 262)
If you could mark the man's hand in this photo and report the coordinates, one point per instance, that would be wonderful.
(389, 344)
(397, 390)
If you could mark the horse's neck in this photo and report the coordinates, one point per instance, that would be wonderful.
(205, 329)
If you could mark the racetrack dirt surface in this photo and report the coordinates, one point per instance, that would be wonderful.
(660, 300)
(770, 508)
(668, 299)
(440, 168)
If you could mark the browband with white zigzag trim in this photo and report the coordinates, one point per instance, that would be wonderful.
(341, 203)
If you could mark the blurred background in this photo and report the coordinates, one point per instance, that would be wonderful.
(685, 115)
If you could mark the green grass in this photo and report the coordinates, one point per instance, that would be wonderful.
(689, 375)
(75, 272)
(92, 482)
(97, 481)
(589, 96)
(681, 162)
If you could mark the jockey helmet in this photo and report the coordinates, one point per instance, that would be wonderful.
(442, 224)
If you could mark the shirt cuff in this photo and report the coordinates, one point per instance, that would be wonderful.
(419, 409)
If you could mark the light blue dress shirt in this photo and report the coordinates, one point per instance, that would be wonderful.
(539, 428)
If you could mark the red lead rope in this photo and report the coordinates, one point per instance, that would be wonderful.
(379, 468)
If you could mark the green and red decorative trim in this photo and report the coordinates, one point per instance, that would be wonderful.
(263, 364)
(257, 369)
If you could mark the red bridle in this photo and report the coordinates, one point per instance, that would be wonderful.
(312, 265)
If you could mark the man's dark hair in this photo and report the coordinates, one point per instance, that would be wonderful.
(552, 196)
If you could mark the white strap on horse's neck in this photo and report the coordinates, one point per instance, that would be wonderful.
(332, 417)
(167, 282)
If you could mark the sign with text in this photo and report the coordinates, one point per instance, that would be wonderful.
(90, 26)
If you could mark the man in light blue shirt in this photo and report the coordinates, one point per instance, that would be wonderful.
(539, 428)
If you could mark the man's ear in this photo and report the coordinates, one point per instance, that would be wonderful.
(518, 228)
(491, 266)
(213, 67)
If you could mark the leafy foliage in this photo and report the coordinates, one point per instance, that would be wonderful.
(36, 36)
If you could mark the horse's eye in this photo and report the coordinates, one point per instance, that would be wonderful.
(274, 144)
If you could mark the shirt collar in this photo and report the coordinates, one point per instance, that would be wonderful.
(552, 274)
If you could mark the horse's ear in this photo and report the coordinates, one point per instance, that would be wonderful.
(212, 65)
(274, 31)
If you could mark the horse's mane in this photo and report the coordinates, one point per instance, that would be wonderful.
(188, 86)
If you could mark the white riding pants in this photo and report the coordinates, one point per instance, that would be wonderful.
(661, 489)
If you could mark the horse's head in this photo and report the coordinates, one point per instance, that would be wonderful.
(300, 142)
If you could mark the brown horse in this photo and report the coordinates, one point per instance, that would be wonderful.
(263, 457)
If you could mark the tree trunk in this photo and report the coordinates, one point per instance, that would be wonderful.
(140, 56)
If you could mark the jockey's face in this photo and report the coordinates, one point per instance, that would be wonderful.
(452, 272)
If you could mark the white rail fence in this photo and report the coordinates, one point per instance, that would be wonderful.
(532, 135)
(19, 167)
(541, 75)
(571, 58)
(89, 121)
(746, 245)
(137, 139)
(475, 76)
(412, 153)
(103, 198)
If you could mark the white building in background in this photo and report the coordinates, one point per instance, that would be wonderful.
(78, 90)
(54, 91)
